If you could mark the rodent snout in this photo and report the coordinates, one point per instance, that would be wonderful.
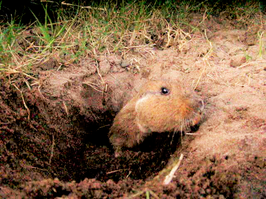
(198, 114)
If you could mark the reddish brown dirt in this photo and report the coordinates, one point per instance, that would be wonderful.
(54, 137)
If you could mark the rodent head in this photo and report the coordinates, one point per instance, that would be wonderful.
(166, 106)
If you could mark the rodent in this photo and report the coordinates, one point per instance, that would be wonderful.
(159, 106)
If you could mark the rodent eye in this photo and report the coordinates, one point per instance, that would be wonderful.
(165, 91)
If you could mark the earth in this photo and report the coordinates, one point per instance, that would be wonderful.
(54, 124)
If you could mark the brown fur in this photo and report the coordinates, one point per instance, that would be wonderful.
(151, 110)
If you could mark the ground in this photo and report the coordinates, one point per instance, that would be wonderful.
(54, 139)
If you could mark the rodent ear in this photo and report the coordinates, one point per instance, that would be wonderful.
(165, 91)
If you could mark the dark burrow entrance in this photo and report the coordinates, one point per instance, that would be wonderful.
(94, 158)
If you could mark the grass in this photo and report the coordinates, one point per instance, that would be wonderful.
(8, 36)
(261, 47)
(103, 29)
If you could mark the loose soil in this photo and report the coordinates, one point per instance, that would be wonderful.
(54, 139)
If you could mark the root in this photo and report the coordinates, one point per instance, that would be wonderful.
(23, 100)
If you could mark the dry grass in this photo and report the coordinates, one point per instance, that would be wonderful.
(96, 31)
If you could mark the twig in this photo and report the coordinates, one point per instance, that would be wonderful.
(118, 170)
(66, 109)
(142, 192)
(92, 85)
(104, 84)
(153, 194)
(193, 134)
(137, 194)
(128, 174)
(169, 177)
(88, 7)
(52, 150)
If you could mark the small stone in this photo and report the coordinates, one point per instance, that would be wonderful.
(125, 63)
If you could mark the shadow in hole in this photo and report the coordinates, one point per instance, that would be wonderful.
(97, 161)
(144, 160)
(159, 142)
(94, 158)
(84, 159)
(149, 157)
